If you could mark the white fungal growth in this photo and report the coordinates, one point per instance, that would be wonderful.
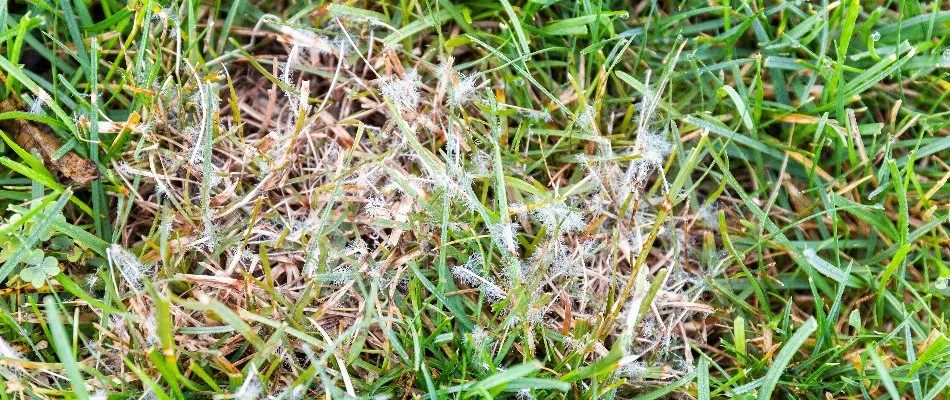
(557, 218)
(524, 394)
(43, 96)
(480, 338)
(150, 326)
(36, 107)
(312, 264)
(474, 262)
(481, 163)
(633, 312)
(473, 279)
(166, 226)
(356, 246)
(297, 392)
(634, 370)
(564, 260)
(313, 43)
(126, 169)
(503, 233)
(117, 326)
(287, 73)
(464, 91)
(404, 93)
(468, 276)
(376, 208)
(340, 276)
(204, 95)
(513, 321)
(543, 115)
(535, 315)
(251, 388)
(588, 118)
(467, 273)
(169, 17)
(654, 147)
(209, 236)
(447, 184)
(129, 266)
(8, 351)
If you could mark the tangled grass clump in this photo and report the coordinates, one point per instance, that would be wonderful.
(320, 202)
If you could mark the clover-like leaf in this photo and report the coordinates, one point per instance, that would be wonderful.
(37, 274)
(74, 254)
(61, 243)
(50, 265)
(33, 275)
(34, 256)
(10, 221)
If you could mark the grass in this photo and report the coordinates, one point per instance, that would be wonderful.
(463, 199)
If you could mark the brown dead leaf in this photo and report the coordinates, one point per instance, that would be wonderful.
(31, 137)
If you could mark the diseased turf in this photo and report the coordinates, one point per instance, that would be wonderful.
(458, 199)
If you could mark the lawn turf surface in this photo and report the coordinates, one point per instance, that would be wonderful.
(472, 199)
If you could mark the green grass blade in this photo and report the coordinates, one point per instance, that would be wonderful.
(784, 357)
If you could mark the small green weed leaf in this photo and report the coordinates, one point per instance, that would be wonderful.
(36, 275)
(34, 257)
(8, 246)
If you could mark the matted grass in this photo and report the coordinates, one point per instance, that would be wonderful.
(455, 199)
